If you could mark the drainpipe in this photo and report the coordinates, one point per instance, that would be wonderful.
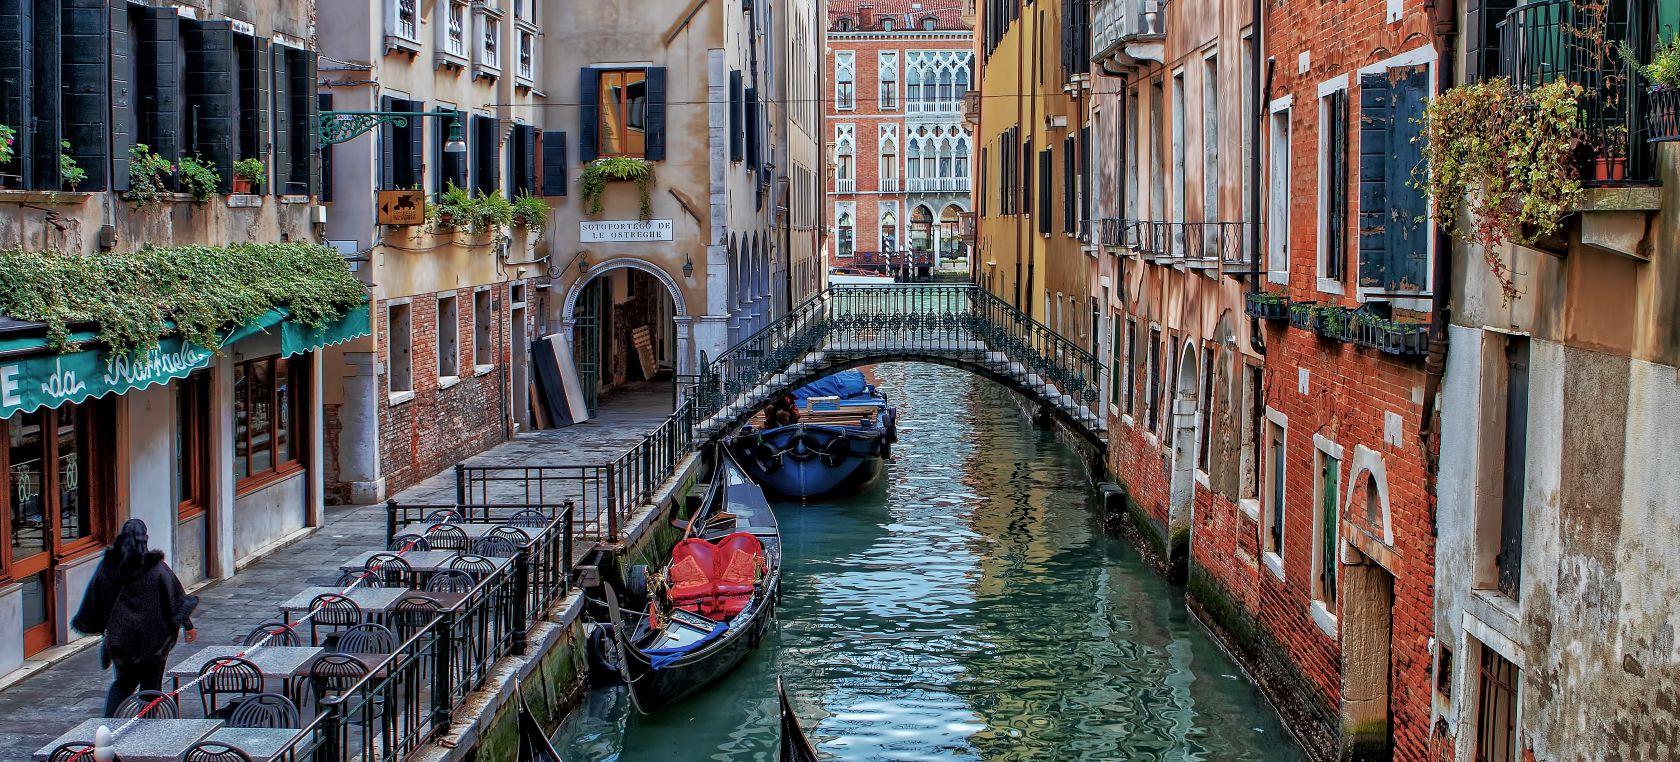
(1262, 96)
(1445, 16)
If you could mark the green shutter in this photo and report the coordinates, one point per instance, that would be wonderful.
(589, 118)
(655, 113)
(211, 84)
(121, 46)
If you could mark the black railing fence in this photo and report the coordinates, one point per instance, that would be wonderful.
(1204, 244)
(1547, 40)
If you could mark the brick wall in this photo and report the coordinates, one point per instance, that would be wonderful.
(440, 426)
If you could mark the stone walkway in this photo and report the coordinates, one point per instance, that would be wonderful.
(39, 708)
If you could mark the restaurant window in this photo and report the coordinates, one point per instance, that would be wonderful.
(267, 396)
(448, 333)
(192, 444)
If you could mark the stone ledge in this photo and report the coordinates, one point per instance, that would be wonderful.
(43, 197)
(1643, 198)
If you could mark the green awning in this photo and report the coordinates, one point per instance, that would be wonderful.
(49, 380)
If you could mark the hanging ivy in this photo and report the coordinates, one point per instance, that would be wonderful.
(1508, 156)
(202, 290)
(598, 173)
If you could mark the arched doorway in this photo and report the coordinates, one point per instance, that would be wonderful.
(629, 334)
(1182, 497)
(950, 235)
(921, 239)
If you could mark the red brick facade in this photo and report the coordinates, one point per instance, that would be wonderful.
(439, 426)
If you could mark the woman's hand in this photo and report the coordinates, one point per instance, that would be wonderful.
(192, 635)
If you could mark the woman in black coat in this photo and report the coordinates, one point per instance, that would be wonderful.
(136, 601)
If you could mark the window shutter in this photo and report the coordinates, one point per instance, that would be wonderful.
(589, 118)
(487, 170)
(1481, 39)
(527, 158)
(324, 103)
(737, 115)
(1374, 130)
(1046, 187)
(16, 68)
(282, 119)
(210, 88)
(750, 107)
(553, 163)
(311, 120)
(87, 88)
(1070, 216)
(387, 147)
(45, 125)
(1336, 200)
(655, 113)
(259, 107)
(1408, 236)
(1085, 173)
(122, 93)
(416, 144)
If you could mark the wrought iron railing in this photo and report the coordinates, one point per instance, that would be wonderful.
(1197, 244)
(1547, 40)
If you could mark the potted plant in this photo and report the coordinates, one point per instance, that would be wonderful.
(247, 175)
(68, 169)
(199, 178)
(8, 137)
(454, 207)
(531, 213)
(1333, 322)
(1663, 74)
(598, 173)
(148, 175)
(1395, 337)
(1301, 315)
(495, 212)
(1268, 305)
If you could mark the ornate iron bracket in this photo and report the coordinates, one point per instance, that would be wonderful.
(341, 126)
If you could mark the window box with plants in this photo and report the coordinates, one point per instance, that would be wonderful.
(1333, 322)
(1395, 337)
(458, 209)
(530, 213)
(149, 177)
(1301, 315)
(598, 173)
(1268, 305)
(1662, 74)
(247, 175)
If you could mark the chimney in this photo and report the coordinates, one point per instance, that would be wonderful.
(866, 16)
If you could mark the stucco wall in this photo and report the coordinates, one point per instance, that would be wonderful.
(268, 515)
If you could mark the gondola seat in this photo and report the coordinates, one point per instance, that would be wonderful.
(740, 558)
(692, 575)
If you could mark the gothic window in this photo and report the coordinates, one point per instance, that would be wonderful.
(889, 81)
(845, 90)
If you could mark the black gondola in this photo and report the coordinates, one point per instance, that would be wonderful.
(795, 746)
(712, 601)
(534, 745)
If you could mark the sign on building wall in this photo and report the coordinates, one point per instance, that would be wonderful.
(610, 231)
(402, 207)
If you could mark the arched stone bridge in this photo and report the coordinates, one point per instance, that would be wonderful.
(956, 325)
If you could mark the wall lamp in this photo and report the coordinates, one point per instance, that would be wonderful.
(688, 265)
(583, 261)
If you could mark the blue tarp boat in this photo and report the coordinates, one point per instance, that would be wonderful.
(843, 433)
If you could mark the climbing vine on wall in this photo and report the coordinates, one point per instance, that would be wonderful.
(202, 290)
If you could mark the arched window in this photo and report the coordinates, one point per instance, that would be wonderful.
(845, 237)
(889, 227)
(913, 89)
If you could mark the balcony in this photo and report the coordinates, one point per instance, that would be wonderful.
(845, 186)
(1540, 42)
(938, 185)
(889, 185)
(1128, 32)
(1195, 245)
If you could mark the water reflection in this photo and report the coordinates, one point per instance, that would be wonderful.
(972, 608)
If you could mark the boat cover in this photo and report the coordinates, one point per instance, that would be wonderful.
(846, 384)
(660, 658)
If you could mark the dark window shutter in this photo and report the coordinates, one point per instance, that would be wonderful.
(737, 115)
(487, 171)
(1336, 197)
(1374, 129)
(46, 117)
(324, 103)
(1085, 173)
(1024, 203)
(980, 189)
(1046, 187)
(589, 117)
(122, 93)
(157, 79)
(251, 65)
(87, 88)
(387, 147)
(1481, 39)
(282, 118)
(553, 163)
(656, 113)
(527, 159)
(1408, 236)
(210, 87)
(1070, 210)
(416, 145)
(750, 113)
(16, 69)
(303, 87)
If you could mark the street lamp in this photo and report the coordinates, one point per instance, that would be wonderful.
(688, 266)
(457, 142)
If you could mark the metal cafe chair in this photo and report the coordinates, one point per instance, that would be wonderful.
(332, 613)
(141, 705)
(528, 518)
(408, 542)
(444, 514)
(265, 710)
(333, 674)
(367, 638)
(411, 615)
(447, 537)
(231, 676)
(476, 565)
(214, 751)
(514, 534)
(75, 751)
(493, 546)
(390, 569)
(450, 581)
(278, 634)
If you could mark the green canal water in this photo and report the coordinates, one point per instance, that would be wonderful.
(968, 607)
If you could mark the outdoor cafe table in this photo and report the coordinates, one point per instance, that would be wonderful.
(374, 601)
(421, 561)
(144, 741)
(278, 663)
(260, 744)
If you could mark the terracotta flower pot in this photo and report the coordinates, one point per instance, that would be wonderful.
(242, 185)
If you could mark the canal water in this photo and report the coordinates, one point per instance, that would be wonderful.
(969, 607)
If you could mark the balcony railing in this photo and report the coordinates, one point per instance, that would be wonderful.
(937, 106)
(889, 185)
(939, 185)
(1195, 244)
(1547, 40)
(845, 186)
(1119, 21)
